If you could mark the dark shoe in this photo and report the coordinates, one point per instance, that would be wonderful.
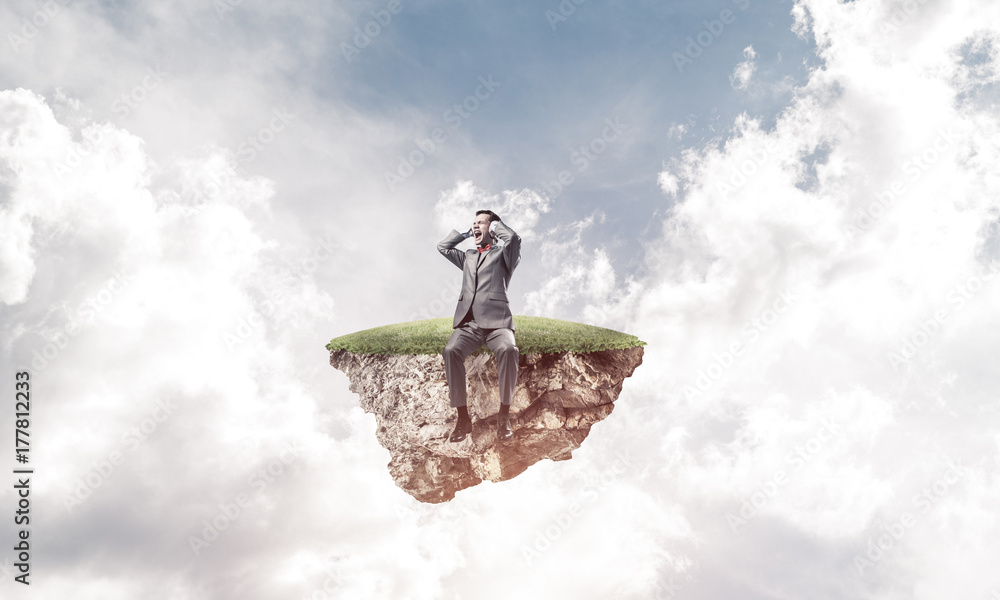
(462, 429)
(504, 432)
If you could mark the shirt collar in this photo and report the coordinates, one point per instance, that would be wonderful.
(496, 244)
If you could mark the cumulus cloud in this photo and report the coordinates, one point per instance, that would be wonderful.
(521, 209)
(744, 70)
(817, 306)
(835, 263)
(161, 344)
(818, 297)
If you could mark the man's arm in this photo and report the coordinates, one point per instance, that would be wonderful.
(447, 247)
(511, 244)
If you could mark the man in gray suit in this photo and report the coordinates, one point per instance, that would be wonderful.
(483, 313)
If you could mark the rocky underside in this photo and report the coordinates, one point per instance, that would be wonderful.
(557, 399)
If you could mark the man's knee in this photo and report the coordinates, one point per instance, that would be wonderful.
(507, 350)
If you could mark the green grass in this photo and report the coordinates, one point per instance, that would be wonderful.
(532, 335)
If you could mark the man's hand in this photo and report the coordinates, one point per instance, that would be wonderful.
(468, 233)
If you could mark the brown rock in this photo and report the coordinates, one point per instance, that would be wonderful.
(557, 399)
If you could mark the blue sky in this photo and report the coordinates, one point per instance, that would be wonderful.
(561, 78)
(801, 224)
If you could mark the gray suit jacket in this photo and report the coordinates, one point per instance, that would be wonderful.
(486, 277)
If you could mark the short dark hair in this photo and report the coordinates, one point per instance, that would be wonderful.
(493, 215)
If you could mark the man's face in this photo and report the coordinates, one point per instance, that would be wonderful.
(481, 230)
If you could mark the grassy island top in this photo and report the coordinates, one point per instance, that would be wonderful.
(532, 335)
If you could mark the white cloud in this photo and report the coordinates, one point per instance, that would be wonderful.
(809, 208)
(521, 209)
(744, 70)
(790, 263)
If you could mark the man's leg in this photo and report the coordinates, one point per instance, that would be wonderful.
(465, 339)
(501, 342)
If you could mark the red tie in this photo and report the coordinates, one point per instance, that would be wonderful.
(481, 249)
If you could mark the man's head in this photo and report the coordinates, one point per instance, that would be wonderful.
(481, 227)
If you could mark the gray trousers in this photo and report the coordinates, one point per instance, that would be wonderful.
(466, 339)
